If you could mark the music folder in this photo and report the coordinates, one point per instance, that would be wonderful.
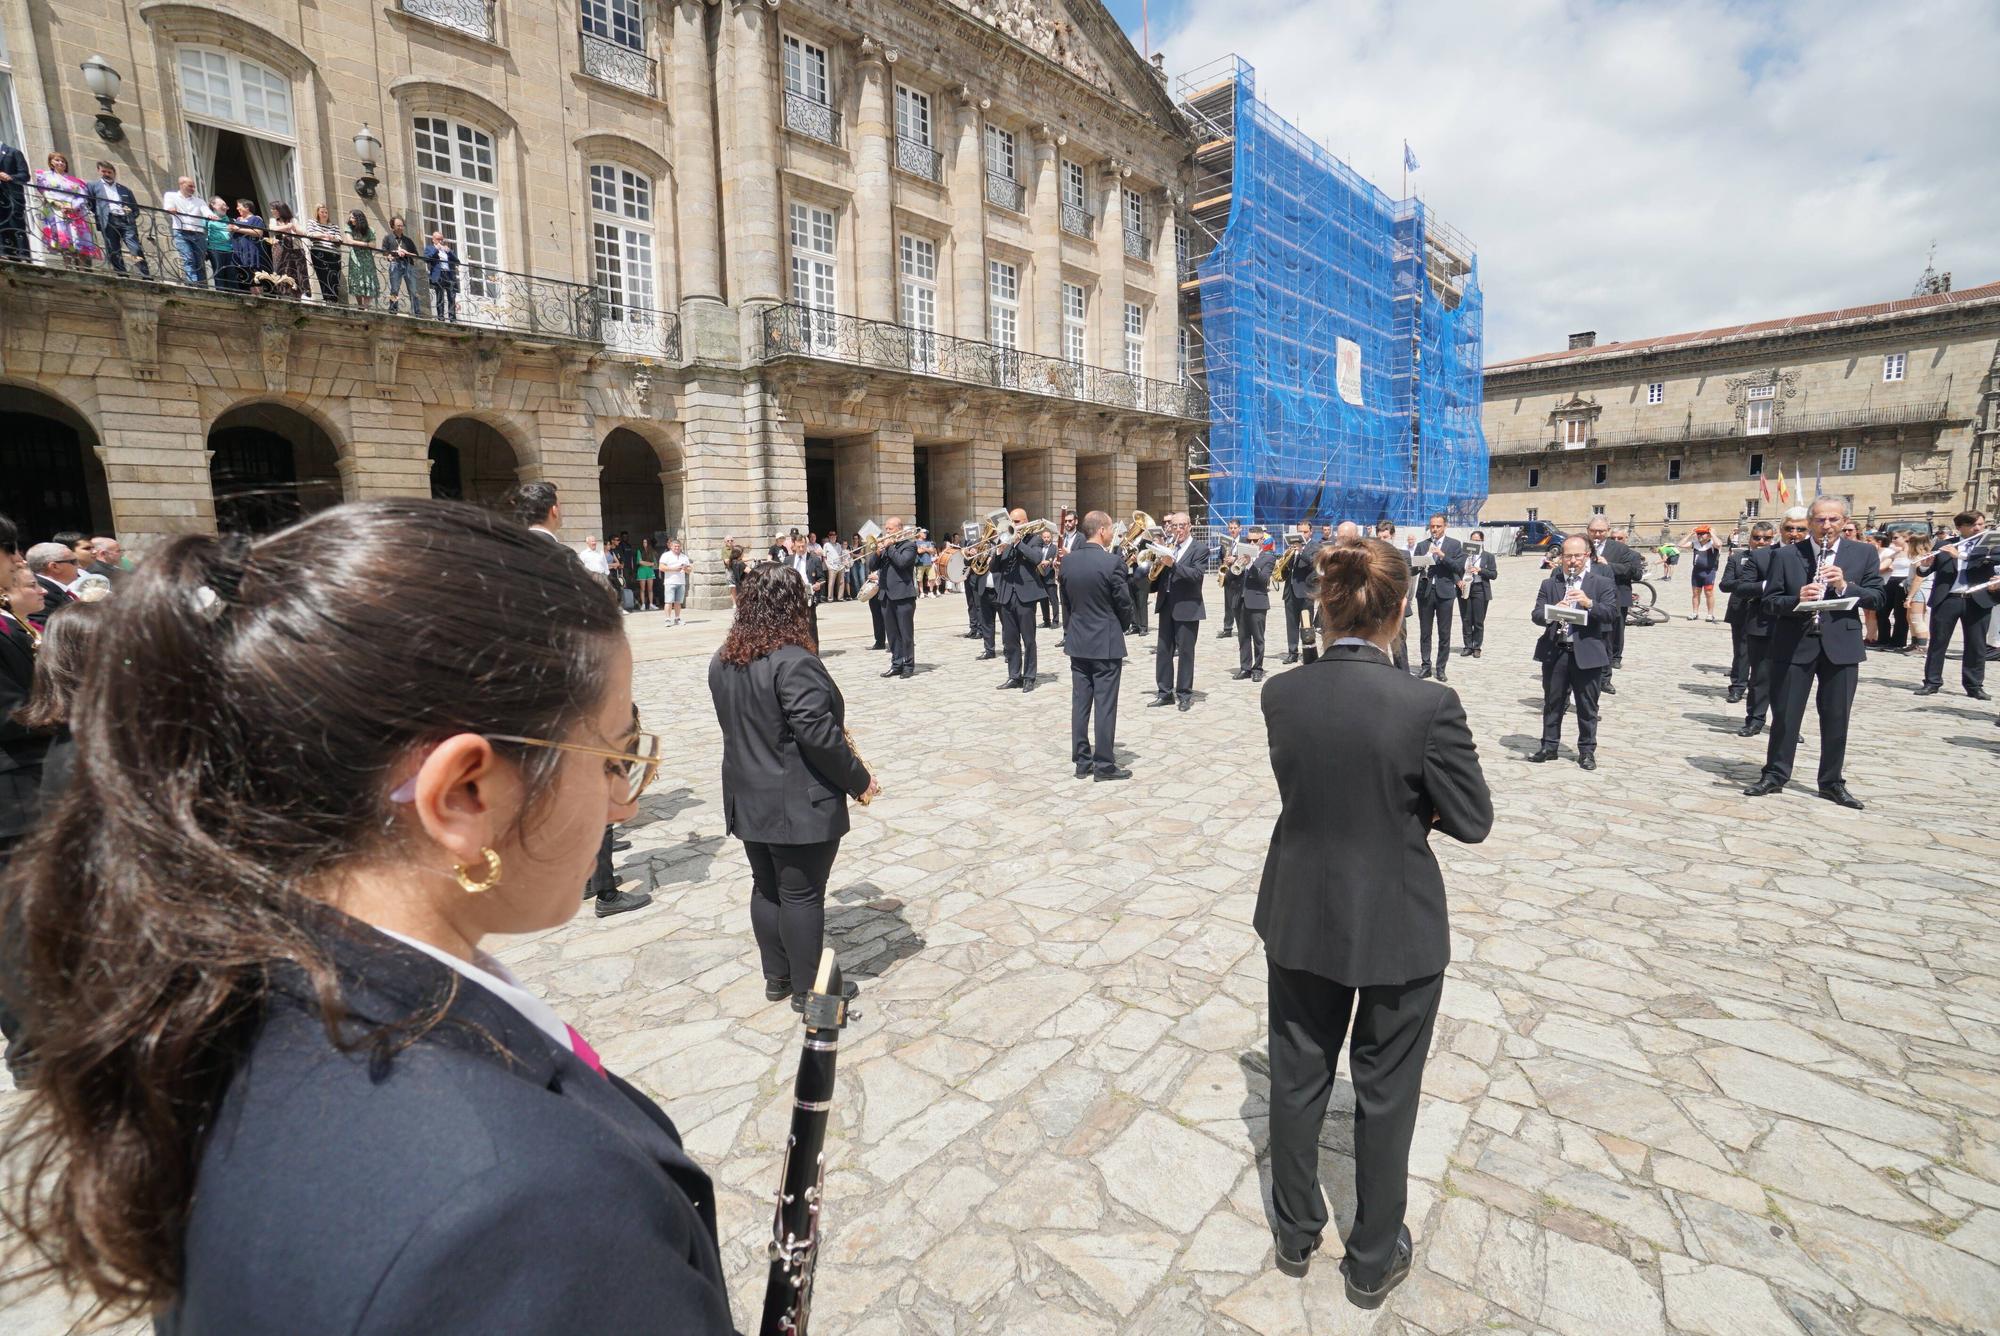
(1828, 604)
(1557, 613)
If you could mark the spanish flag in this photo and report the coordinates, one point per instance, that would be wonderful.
(1764, 485)
(1784, 492)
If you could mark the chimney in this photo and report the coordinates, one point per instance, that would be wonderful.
(1587, 339)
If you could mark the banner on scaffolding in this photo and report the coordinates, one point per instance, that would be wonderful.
(1347, 369)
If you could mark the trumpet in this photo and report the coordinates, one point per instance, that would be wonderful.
(1241, 561)
(1294, 543)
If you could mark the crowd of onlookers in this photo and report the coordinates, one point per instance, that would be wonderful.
(652, 575)
(232, 246)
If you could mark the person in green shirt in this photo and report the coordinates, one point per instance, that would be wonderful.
(1669, 558)
(220, 258)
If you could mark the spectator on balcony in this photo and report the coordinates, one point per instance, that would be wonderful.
(402, 253)
(190, 230)
(221, 254)
(116, 211)
(288, 243)
(247, 255)
(13, 202)
(363, 284)
(66, 229)
(443, 263)
(326, 243)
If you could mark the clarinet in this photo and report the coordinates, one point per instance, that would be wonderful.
(795, 1225)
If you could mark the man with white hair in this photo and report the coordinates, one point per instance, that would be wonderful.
(55, 570)
(1181, 611)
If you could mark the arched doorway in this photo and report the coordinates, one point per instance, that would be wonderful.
(472, 461)
(50, 476)
(629, 489)
(270, 466)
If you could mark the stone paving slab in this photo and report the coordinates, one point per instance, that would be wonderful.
(1705, 1064)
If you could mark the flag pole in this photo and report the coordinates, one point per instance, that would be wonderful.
(1146, 29)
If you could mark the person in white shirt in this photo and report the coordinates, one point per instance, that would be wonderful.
(191, 214)
(594, 559)
(674, 566)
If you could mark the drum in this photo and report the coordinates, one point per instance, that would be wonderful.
(869, 589)
(955, 568)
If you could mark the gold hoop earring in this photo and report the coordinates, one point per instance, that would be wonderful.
(486, 883)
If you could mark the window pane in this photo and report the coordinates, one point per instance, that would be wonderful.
(603, 189)
(913, 115)
(433, 144)
(639, 266)
(1072, 184)
(805, 70)
(1000, 151)
(637, 195)
(475, 155)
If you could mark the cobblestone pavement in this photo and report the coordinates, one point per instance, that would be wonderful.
(1706, 1064)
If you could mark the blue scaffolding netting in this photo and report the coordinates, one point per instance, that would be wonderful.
(1341, 330)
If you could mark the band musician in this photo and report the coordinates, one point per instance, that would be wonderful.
(1476, 596)
(1017, 574)
(1232, 585)
(1300, 584)
(1439, 563)
(1253, 610)
(1099, 603)
(1626, 568)
(1181, 612)
(1071, 539)
(1574, 658)
(894, 566)
(1744, 580)
(811, 568)
(1961, 598)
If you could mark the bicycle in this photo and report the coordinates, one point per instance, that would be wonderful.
(1643, 612)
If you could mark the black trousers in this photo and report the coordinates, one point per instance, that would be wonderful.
(1392, 1032)
(1792, 684)
(899, 619)
(1472, 617)
(1093, 700)
(1063, 591)
(1142, 601)
(1294, 619)
(1232, 606)
(1177, 641)
(875, 619)
(1739, 653)
(14, 222)
(604, 878)
(986, 613)
(1750, 669)
(972, 603)
(1895, 615)
(326, 269)
(1434, 610)
(1051, 616)
(1958, 610)
(1250, 638)
(1617, 636)
(1563, 683)
(788, 906)
(1017, 634)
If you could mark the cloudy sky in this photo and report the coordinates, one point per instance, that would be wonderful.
(1649, 166)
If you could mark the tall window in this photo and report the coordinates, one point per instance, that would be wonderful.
(1135, 223)
(1135, 339)
(1673, 510)
(1602, 474)
(813, 287)
(228, 88)
(917, 261)
(10, 118)
(621, 242)
(1673, 470)
(805, 70)
(1075, 310)
(1003, 303)
(616, 21)
(456, 195)
(1575, 433)
(1183, 353)
(914, 151)
(1075, 210)
(1849, 457)
(1003, 184)
(1181, 257)
(1892, 366)
(1656, 392)
(1534, 480)
(1756, 466)
(1757, 409)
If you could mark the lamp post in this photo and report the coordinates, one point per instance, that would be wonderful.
(369, 149)
(103, 81)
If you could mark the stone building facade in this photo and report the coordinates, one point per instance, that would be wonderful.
(731, 267)
(1894, 406)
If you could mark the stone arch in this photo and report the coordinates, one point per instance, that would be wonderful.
(49, 454)
(478, 456)
(271, 462)
(605, 146)
(642, 479)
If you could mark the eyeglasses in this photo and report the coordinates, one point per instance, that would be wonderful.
(637, 766)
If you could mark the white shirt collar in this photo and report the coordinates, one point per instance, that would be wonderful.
(498, 980)
(546, 533)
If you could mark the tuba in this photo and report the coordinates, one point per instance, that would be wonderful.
(1140, 530)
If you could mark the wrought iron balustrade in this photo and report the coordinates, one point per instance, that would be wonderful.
(467, 16)
(1899, 414)
(1138, 245)
(1004, 191)
(640, 330)
(1076, 220)
(616, 63)
(919, 159)
(812, 118)
(792, 330)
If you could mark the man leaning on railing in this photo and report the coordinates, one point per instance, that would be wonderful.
(116, 210)
(191, 216)
(13, 202)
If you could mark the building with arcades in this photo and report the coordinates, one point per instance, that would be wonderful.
(727, 267)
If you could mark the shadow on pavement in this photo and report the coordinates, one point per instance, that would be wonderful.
(869, 930)
(1733, 769)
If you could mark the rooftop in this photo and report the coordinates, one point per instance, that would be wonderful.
(1797, 324)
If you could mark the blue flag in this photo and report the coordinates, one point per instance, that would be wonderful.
(1409, 158)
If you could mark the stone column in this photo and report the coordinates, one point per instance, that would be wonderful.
(1163, 323)
(1125, 483)
(874, 191)
(724, 488)
(154, 449)
(1062, 479)
(566, 445)
(695, 202)
(750, 177)
(968, 223)
(1111, 264)
(1096, 487)
(1045, 219)
(387, 448)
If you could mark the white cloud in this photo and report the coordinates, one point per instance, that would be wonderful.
(1646, 168)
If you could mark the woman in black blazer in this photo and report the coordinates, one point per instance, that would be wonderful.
(279, 1085)
(787, 771)
(1369, 760)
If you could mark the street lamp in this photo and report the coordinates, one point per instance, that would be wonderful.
(369, 149)
(103, 81)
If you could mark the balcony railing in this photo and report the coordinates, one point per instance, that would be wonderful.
(616, 63)
(1900, 414)
(919, 159)
(1138, 245)
(147, 245)
(812, 118)
(467, 16)
(1004, 191)
(800, 331)
(1075, 219)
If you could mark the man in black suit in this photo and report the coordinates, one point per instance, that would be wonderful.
(1481, 570)
(13, 203)
(1823, 646)
(894, 566)
(1300, 583)
(1626, 568)
(1181, 612)
(1744, 580)
(1385, 529)
(1440, 561)
(1094, 587)
(1961, 598)
(116, 212)
(811, 568)
(1018, 588)
(1232, 585)
(1574, 658)
(1141, 591)
(1256, 607)
(1072, 539)
(55, 570)
(1046, 569)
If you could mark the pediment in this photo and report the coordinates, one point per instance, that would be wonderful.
(1083, 38)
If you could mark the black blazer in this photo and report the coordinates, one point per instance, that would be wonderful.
(815, 570)
(1257, 582)
(1627, 567)
(22, 750)
(1368, 761)
(1439, 580)
(1177, 593)
(1590, 642)
(451, 1187)
(1019, 579)
(1944, 571)
(1302, 575)
(1743, 579)
(895, 570)
(1100, 604)
(1487, 569)
(1792, 568)
(785, 761)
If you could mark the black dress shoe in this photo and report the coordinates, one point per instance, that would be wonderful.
(1927, 690)
(989, 654)
(1297, 1264)
(1763, 788)
(1239, 674)
(909, 672)
(1424, 671)
(878, 645)
(1011, 684)
(1440, 677)
(619, 846)
(1617, 663)
(1292, 657)
(622, 902)
(972, 635)
(1977, 694)
(1027, 684)
(1735, 695)
(1186, 705)
(1751, 728)
(1837, 793)
(1586, 760)
(1371, 1296)
(1083, 771)
(1610, 690)
(1257, 675)
(1116, 772)
(1545, 754)
(892, 672)
(777, 990)
(1158, 700)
